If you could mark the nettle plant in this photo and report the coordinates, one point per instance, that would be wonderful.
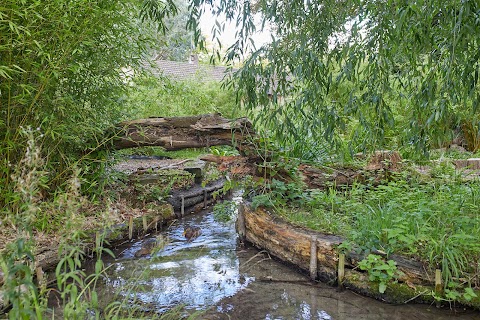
(380, 271)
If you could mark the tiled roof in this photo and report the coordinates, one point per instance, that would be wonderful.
(188, 70)
(192, 70)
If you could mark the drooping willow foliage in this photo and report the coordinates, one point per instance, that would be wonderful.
(369, 74)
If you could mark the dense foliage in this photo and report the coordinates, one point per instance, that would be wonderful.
(153, 97)
(374, 73)
(63, 71)
(175, 43)
(353, 74)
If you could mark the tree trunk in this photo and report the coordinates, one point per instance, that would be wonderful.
(293, 244)
(177, 133)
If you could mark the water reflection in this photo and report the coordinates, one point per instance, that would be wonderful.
(198, 273)
(279, 292)
(213, 274)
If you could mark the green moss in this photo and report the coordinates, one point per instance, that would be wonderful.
(161, 152)
(165, 179)
(474, 302)
(115, 233)
(395, 293)
(211, 174)
(164, 210)
(401, 293)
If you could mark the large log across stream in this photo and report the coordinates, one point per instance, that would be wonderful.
(175, 133)
(293, 245)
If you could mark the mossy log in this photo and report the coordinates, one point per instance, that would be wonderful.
(322, 178)
(380, 167)
(175, 133)
(292, 244)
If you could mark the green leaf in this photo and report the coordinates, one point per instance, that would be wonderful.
(382, 287)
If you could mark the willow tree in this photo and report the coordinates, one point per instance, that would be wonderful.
(373, 73)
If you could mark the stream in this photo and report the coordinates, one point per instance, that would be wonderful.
(224, 280)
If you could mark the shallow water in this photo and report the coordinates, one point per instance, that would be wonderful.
(213, 273)
(198, 273)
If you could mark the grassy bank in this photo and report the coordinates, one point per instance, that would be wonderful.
(433, 220)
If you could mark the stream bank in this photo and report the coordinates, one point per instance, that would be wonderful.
(147, 194)
(319, 255)
(216, 277)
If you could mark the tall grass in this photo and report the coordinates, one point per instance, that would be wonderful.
(435, 221)
(154, 97)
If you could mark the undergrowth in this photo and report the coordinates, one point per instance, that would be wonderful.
(26, 292)
(435, 221)
(154, 97)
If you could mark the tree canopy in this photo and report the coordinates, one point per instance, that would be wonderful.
(373, 73)
(175, 42)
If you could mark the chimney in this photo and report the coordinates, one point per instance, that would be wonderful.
(193, 59)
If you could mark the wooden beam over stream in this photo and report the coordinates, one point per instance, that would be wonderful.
(175, 133)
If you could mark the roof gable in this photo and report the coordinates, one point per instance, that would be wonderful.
(187, 70)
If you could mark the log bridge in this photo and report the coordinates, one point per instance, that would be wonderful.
(175, 133)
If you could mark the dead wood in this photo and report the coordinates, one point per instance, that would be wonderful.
(194, 195)
(385, 160)
(292, 244)
(322, 178)
(175, 133)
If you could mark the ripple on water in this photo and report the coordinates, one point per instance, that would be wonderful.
(212, 271)
(196, 273)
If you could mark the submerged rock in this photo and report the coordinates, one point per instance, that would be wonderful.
(149, 245)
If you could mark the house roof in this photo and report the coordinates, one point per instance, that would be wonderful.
(176, 70)
(190, 70)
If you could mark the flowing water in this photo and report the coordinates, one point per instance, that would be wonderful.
(215, 274)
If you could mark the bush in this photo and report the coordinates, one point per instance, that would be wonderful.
(156, 97)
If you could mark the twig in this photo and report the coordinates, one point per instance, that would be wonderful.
(415, 297)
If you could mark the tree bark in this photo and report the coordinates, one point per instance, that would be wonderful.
(177, 133)
(293, 245)
(341, 177)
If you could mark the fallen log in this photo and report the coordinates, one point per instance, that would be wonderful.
(195, 195)
(323, 178)
(175, 133)
(293, 244)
